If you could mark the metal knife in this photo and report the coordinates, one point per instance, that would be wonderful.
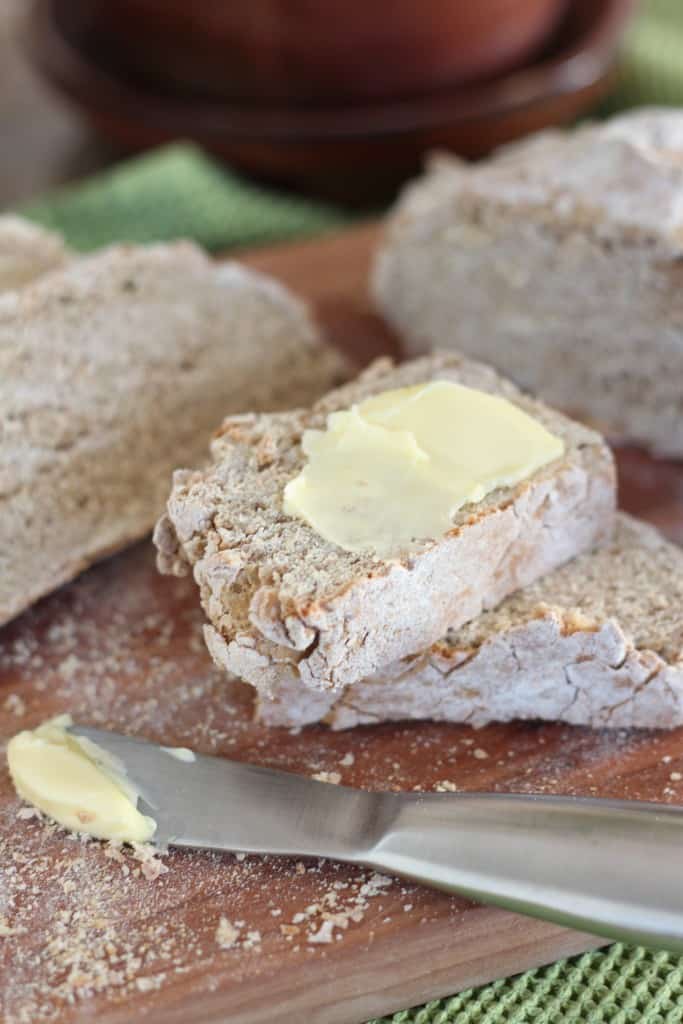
(608, 867)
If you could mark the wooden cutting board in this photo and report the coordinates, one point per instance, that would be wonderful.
(88, 934)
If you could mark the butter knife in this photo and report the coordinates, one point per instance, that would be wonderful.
(609, 867)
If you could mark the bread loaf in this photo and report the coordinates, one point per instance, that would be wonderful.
(597, 642)
(285, 604)
(560, 262)
(113, 370)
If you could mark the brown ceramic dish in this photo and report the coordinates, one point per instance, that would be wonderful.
(351, 152)
(311, 51)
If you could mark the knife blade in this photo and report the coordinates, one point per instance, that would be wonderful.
(604, 866)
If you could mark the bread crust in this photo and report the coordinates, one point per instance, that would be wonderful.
(27, 251)
(613, 659)
(113, 370)
(284, 603)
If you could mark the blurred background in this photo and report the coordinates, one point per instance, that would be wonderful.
(271, 118)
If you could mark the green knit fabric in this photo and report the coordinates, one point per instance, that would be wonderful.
(617, 985)
(177, 191)
(651, 69)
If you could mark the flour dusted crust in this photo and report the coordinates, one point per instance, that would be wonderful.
(598, 642)
(113, 370)
(285, 604)
(559, 261)
(26, 252)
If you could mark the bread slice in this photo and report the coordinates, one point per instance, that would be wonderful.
(114, 369)
(598, 642)
(560, 262)
(283, 603)
(26, 252)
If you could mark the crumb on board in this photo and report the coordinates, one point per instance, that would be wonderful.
(323, 934)
(5, 928)
(88, 927)
(227, 934)
(26, 813)
(15, 704)
(334, 778)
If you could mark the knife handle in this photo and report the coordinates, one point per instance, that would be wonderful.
(611, 868)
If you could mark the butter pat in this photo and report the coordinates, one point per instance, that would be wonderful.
(77, 783)
(396, 468)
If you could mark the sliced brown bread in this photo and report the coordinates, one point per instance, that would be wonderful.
(27, 251)
(560, 262)
(598, 642)
(284, 603)
(112, 370)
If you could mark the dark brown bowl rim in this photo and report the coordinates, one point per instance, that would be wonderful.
(572, 69)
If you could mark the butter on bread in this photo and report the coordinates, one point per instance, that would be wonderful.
(560, 262)
(597, 642)
(284, 604)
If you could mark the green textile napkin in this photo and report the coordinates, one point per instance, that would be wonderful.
(617, 985)
(177, 191)
(651, 67)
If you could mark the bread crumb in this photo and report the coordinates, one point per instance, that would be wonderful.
(151, 866)
(480, 754)
(347, 760)
(407, 907)
(69, 666)
(675, 776)
(14, 704)
(253, 939)
(332, 777)
(5, 928)
(323, 934)
(226, 934)
(26, 813)
(289, 929)
(445, 786)
(147, 984)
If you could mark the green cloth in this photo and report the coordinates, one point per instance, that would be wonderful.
(651, 68)
(177, 191)
(617, 985)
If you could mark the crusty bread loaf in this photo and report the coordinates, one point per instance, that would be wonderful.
(112, 371)
(26, 252)
(598, 642)
(560, 262)
(284, 603)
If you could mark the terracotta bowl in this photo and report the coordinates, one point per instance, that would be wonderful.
(311, 51)
(351, 152)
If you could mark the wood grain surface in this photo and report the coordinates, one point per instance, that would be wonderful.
(89, 933)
